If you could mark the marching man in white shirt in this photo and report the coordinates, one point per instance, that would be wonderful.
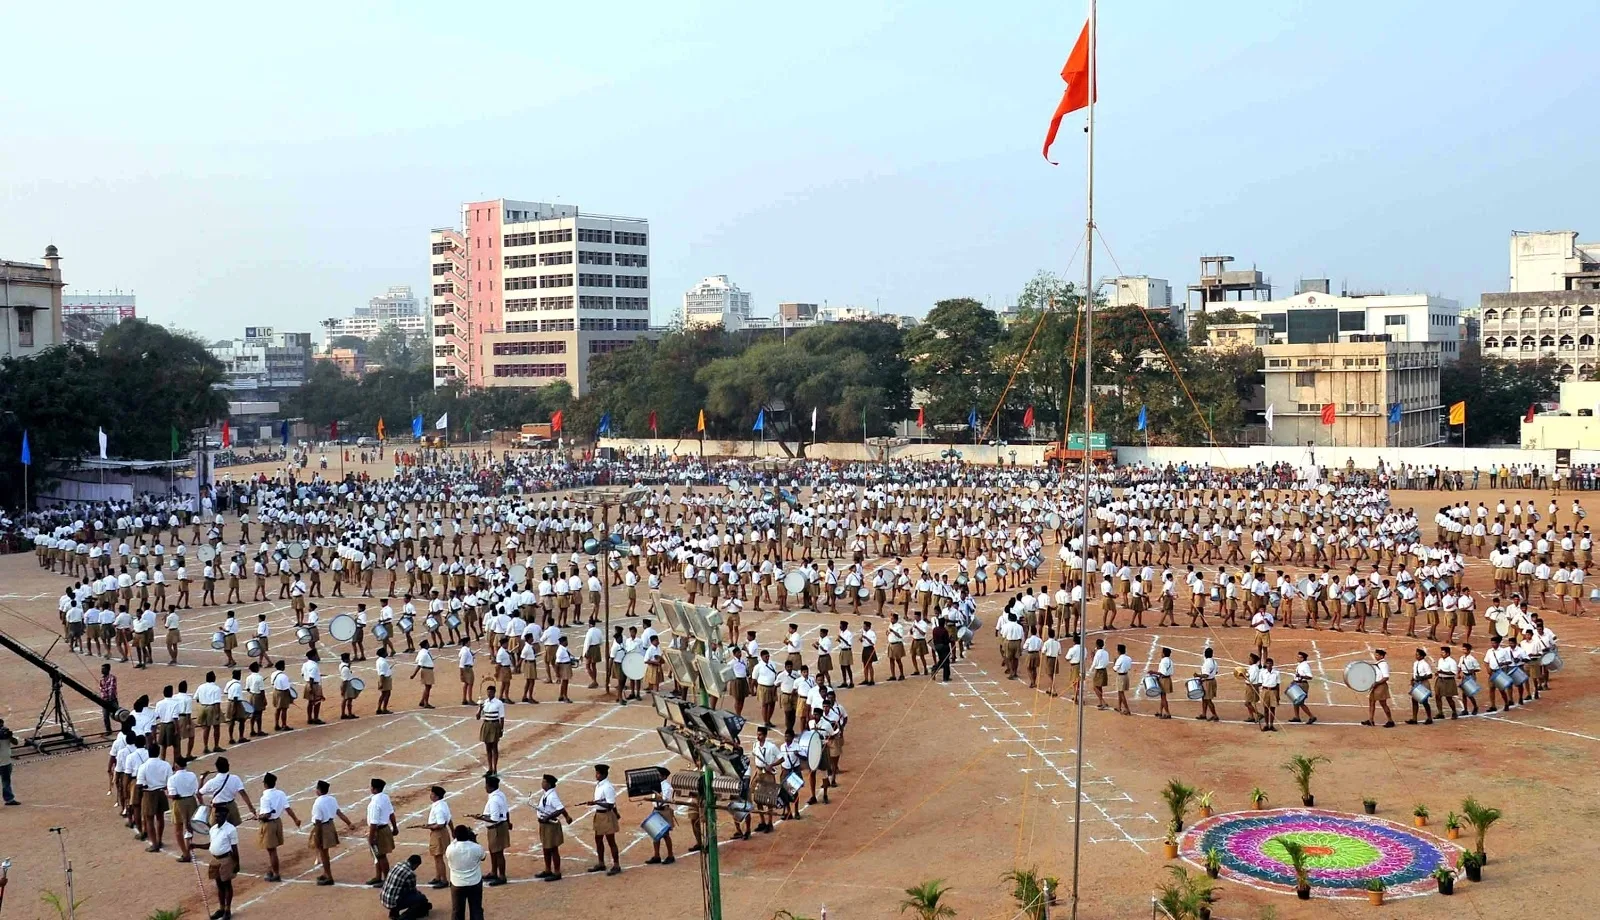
(1379, 694)
(1302, 679)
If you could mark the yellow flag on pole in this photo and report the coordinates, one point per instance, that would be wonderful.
(1458, 413)
(380, 429)
(701, 425)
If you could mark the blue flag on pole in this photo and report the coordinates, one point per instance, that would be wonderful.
(972, 418)
(761, 421)
(605, 423)
(27, 455)
(1144, 419)
(283, 432)
(416, 427)
(1394, 413)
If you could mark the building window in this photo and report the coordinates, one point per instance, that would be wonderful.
(634, 325)
(1548, 341)
(1585, 311)
(1585, 342)
(593, 236)
(562, 257)
(555, 281)
(1547, 313)
(633, 303)
(530, 370)
(1491, 315)
(594, 280)
(605, 346)
(1352, 320)
(1527, 343)
(591, 324)
(25, 330)
(594, 302)
(443, 329)
(625, 238)
(587, 257)
(529, 348)
(555, 325)
(632, 259)
(443, 351)
(1566, 313)
(1305, 378)
(1566, 344)
(633, 281)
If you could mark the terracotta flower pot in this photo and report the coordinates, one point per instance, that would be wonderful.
(1171, 850)
(1453, 833)
(1376, 897)
(1205, 811)
(1421, 821)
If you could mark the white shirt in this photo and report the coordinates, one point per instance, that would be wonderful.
(224, 839)
(379, 809)
(221, 789)
(464, 858)
(324, 809)
(274, 802)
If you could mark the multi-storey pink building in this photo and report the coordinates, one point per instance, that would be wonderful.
(525, 293)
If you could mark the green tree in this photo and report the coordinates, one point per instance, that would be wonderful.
(1497, 393)
(353, 342)
(1216, 317)
(393, 347)
(952, 359)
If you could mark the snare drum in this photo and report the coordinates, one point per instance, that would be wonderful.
(656, 825)
(1296, 692)
(253, 648)
(218, 641)
(303, 634)
(452, 621)
(1360, 676)
(381, 631)
(1195, 689)
(1470, 686)
(1151, 686)
(1501, 679)
(1519, 675)
(1421, 693)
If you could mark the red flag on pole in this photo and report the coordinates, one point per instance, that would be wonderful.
(1529, 416)
(922, 419)
(1076, 76)
(333, 431)
(1027, 418)
(652, 421)
(1328, 414)
(555, 421)
(227, 436)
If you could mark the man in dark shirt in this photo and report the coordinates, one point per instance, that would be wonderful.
(399, 893)
(108, 692)
(941, 648)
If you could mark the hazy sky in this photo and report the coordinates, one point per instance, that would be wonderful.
(233, 167)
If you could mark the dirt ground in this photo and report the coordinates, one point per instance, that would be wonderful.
(960, 781)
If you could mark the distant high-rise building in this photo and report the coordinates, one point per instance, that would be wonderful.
(716, 301)
(526, 293)
(395, 307)
(30, 311)
(86, 317)
(1553, 307)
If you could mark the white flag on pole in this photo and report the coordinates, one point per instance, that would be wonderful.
(102, 444)
(1269, 416)
(813, 420)
(443, 422)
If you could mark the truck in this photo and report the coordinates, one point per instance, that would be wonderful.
(535, 435)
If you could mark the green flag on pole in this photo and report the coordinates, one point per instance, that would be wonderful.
(174, 439)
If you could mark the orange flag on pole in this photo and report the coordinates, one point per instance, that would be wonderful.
(1076, 75)
(1329, 414)
(701, 425)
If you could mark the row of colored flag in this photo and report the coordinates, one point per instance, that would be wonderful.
(1330, 414)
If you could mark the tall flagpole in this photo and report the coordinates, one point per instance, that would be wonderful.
(1088, 439)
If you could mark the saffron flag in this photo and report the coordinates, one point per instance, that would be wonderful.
(1144, 420)
(555, 421)
(1394, 413)
(227, 435)
(1076, 75)
(1458, 413)
(380, 429)
(652, 421)
(700, 426)
(922, 418)
(1027, 418)
(1269, 415)
(1328, 414)
(1529, 416)
(27, 455)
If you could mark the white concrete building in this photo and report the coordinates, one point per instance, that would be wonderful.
(716, 301)
(1145, 292)
(264, 360)
(398, 306)
(1313, 317)
(526, 293)
(1553, 307)
(30, 305)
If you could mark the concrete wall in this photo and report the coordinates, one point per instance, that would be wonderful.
(1026, 454)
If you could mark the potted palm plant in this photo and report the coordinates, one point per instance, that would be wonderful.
(1301, 768)
(1027, 889)
(1179, 797)
(1187, 896)
(1446, 880)
(1419, 815)
(1370, 806)
(1472, 865)
(1481, 817)
(1204, 801)
(1213, 862)
(1452, 825)
(927, 901)
(1258, 797)
(1169, 846)
(1296, 852)
(1375, 888)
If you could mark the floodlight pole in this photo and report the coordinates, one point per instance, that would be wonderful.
(605, 563)
(713, 861)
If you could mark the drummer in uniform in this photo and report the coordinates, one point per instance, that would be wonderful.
(663, 808)
(274, 805)
(1445, 684)
(347, 690)
(1421, 676)
(1379, 694)
(1208, 686)
(550, 811)
(1302, 679)
(1163, 676)
(255, 690)
(1269, 678)
(282, 697)
(765, 759)
(1469, 667)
